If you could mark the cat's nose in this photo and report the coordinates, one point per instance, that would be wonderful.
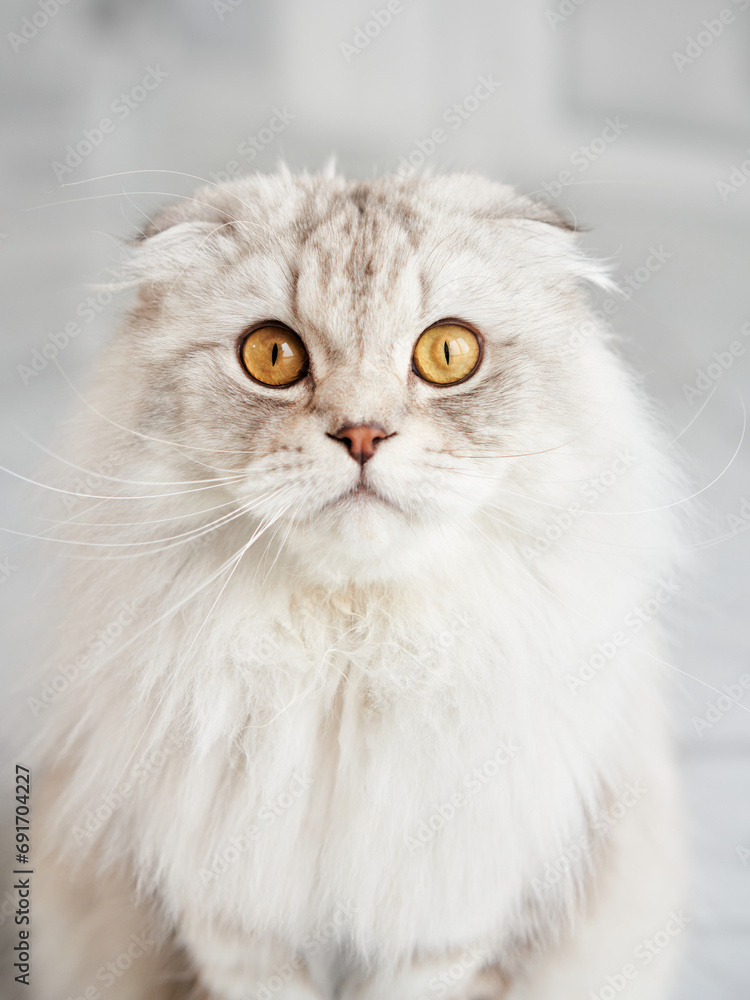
(361, 441)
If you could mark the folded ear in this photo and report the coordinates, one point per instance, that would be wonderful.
(551, 215)
(560, 235)
(203, 207)
(568, 256)
(187, 234)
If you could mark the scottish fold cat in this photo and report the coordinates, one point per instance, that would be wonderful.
(372, 721)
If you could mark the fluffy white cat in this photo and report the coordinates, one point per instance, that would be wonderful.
(361, 641)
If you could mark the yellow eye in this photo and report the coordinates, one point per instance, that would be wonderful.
(446, 354)
(274, 356)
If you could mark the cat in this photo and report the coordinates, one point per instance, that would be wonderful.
(354, 704)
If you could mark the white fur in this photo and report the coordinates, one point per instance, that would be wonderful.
(361, 659)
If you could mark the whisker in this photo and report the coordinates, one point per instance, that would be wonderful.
(126, 496)
(686, 674)
(703, 405)
(57, 524)
(295, 508)
(193, 536)
(150, 437)
(115, 479)
(651, 510)
(589, 621)
(178, 605)
(117, 545)
(237, 558)
(127, 173)
(132, 524)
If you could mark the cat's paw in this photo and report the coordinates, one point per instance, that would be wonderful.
(426, 981)
(274, 989)
(489, 984)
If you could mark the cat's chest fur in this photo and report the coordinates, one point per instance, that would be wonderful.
(369, 761)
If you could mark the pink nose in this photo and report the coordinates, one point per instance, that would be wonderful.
(361, 441)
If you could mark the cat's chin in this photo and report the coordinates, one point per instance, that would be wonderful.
(362, 536)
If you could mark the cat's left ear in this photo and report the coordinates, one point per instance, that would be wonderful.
(550, 215)
(559, 233)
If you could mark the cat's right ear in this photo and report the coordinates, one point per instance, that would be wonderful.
(180, 237)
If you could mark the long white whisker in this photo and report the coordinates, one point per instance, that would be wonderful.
(703, 406)
(149, 437)
(183, 538)
(182, 602)
(103, 496)
(116, 479)
(197, 532)
(237, 558)
(133, 524)
(647, 510)
(686, 674)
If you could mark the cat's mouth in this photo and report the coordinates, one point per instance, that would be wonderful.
(361, 493)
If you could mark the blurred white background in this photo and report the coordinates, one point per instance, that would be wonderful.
(634, 115)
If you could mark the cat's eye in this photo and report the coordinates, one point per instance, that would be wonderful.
(274, 356)
(446, 354)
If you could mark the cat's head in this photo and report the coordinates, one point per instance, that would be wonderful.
(371, 360)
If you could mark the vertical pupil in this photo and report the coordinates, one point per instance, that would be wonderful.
(274, 353)
(447, 352)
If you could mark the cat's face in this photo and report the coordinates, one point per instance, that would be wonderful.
(373, 453)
